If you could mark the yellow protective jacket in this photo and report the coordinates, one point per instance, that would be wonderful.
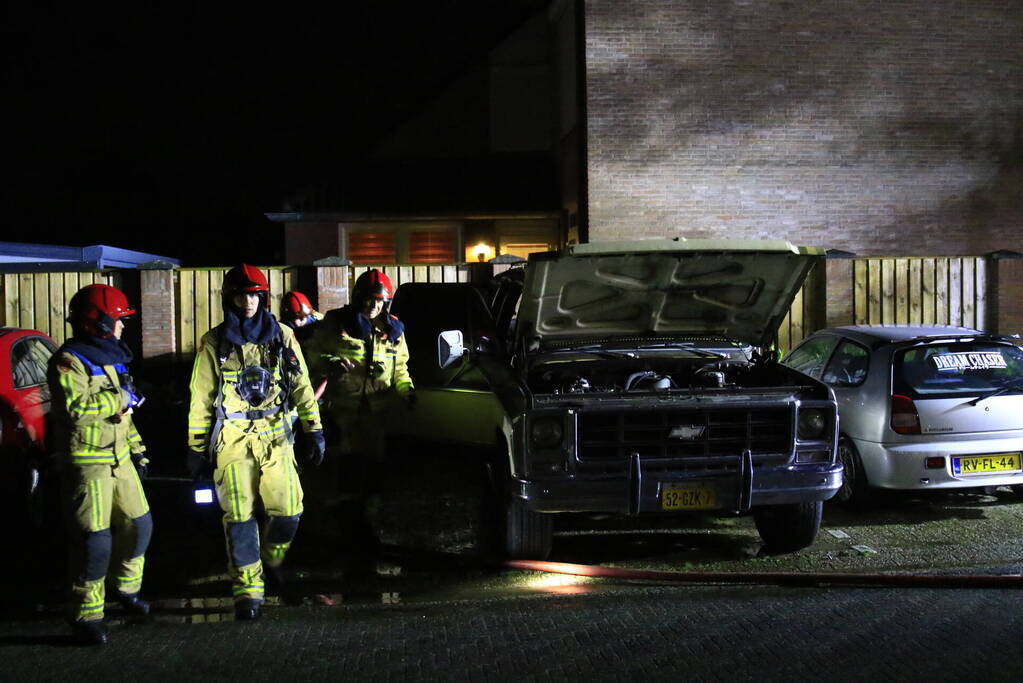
(92, 425)
(379, 373)
(269, 421)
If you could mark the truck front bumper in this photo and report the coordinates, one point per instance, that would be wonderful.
(641, 492)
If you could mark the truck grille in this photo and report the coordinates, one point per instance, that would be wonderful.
(692, 439)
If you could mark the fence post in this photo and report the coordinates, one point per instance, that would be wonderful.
(840, 309)
(1004, 282)
(158, 319)
(332, 275)
(815, 304)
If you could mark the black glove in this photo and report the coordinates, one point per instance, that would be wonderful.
(316, 447)
(141, 463)
(199, 465)
(411, 400)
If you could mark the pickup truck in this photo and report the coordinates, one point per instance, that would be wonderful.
(632, 379)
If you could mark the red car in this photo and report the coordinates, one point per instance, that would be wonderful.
(24, 407)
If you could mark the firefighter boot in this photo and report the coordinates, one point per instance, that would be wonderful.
(247, 609)
(134, 605)
(89, 633)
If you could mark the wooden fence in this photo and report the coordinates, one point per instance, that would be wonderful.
(40, 300)
(917, 290)
(401, 274)
(920, 291)
(803, 317)
(924, 290)
(199, 303)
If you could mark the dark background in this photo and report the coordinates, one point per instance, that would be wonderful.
(172, 131)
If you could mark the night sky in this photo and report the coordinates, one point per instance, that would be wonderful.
(174, 131)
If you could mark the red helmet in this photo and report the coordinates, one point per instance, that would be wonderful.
(95, 309)
(245, 279)
(296, 305)
(372, 284)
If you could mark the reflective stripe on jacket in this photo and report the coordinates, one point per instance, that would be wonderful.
(265, 421)
(376, 378)
(91, 423)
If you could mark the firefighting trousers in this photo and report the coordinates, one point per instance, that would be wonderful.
(110, 530)
(249, 470)
(359, 437)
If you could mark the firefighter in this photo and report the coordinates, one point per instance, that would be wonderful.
(249, 374)
(360, 349)
(102, 460)
(297, 313)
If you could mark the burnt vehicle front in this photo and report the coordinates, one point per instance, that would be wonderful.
(634, 381)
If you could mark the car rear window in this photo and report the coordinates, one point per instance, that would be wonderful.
(956, 369)
(29, 358)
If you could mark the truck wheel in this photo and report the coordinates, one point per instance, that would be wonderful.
(855, 493)
(785, 528)
(528, 534)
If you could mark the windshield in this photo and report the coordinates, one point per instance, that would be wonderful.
(957, 369)
(714, 348)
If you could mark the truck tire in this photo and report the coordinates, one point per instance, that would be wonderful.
(528, 535)
(789, 527)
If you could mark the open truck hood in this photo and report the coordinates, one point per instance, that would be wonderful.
(740, 289)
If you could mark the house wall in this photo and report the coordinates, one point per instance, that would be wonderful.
(305, 242)
(874, 127)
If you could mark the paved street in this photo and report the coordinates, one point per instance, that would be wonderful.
(645, 633)
(428, 608)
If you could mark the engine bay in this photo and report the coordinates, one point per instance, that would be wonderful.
(631, 375)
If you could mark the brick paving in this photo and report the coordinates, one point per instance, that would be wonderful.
(430, 617)
(705, 633)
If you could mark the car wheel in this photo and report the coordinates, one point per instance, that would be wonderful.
(528, 534)
(785, 528)
(855, 492)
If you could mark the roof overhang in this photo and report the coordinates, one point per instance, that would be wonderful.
(370, 217)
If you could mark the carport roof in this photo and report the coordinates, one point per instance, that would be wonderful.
(21, 257)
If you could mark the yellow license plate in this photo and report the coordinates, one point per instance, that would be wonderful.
(982, 464)
(688, 498)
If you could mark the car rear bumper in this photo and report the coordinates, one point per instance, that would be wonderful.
(641, 493)
(902, 466)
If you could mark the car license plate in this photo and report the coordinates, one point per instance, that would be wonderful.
(982, 464)
(688, 498)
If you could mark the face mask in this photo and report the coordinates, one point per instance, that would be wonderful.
(254, 385)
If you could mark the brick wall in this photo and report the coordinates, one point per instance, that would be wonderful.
(876, 127)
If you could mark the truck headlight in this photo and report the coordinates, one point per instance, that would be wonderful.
(812, 423)
(546, 432)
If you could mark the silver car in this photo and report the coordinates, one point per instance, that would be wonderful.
(920, 407)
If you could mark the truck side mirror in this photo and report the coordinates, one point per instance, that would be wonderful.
(449, 347)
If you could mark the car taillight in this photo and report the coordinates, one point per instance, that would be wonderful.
(905, 419)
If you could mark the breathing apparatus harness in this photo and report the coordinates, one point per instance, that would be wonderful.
(125, 381)
(255, 387)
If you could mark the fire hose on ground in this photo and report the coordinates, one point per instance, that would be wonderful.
(802, 579)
